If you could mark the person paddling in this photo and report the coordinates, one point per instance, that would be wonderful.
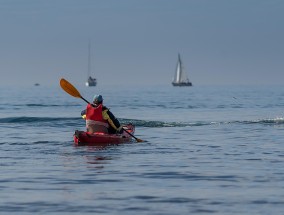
(99, 118)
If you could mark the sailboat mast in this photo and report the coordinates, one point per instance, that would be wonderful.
(89, 59)
(90, 81)
(179, 68)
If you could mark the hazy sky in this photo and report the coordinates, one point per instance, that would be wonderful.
(137, 41)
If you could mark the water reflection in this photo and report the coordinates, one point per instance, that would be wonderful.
(99, 161)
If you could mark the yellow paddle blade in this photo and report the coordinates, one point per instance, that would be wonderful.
(69, 88)
(139, 140)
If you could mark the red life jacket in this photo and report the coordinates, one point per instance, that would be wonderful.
(94, 116)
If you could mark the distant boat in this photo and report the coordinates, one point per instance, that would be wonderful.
(91, 82)
(36, 84)
(180, 78)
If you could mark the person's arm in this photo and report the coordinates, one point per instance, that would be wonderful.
(114, 119)
(114, 123)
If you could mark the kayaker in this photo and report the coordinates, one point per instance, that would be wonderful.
(99, 118)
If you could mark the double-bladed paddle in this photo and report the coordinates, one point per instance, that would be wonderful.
(71, 90)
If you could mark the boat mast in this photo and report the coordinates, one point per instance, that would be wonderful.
(89, 59)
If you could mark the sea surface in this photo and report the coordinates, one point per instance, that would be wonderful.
(207, 150)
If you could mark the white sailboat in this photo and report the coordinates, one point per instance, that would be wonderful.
(91, 82)
(180, 77)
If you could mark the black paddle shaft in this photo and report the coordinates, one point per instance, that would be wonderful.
(85, 100)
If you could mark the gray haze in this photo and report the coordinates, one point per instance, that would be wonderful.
(137, 41)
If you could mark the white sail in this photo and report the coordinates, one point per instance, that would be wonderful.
(178, 72)
(180, 78)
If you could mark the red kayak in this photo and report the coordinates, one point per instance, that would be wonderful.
(82, 138)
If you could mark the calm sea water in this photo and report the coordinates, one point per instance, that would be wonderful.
(209, 150)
